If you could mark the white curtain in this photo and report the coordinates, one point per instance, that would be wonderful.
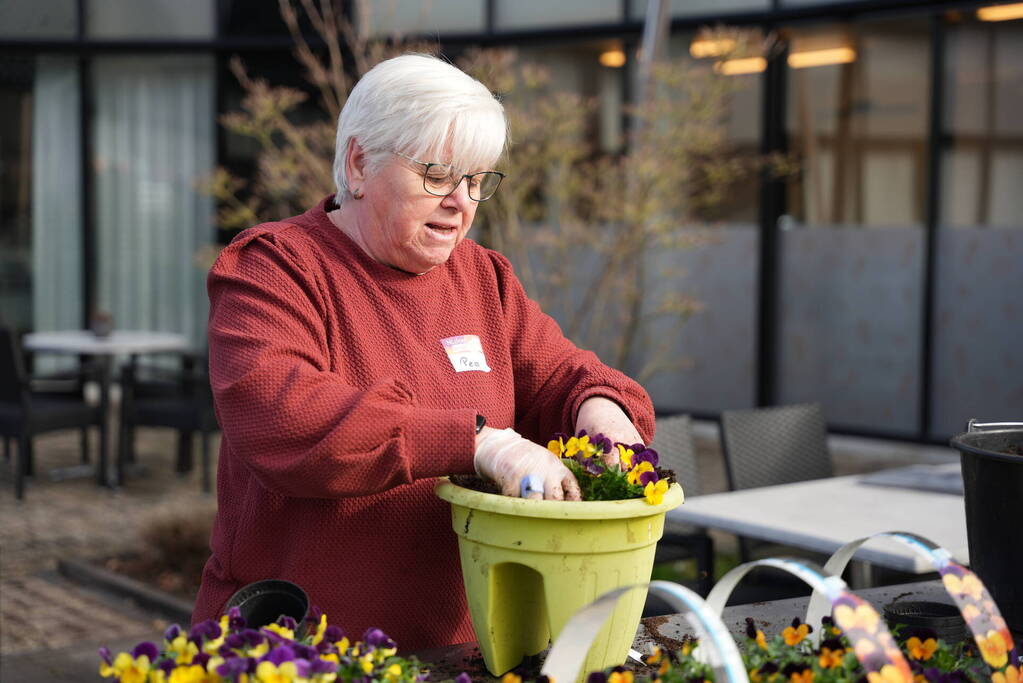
(153, 139)
(56, 196)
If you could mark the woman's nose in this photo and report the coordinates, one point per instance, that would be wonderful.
(459, 197)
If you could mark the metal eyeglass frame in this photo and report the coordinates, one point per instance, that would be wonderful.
(468, 176)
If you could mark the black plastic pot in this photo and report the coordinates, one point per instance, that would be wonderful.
(942, 618)
(263, 602)
(993, 490)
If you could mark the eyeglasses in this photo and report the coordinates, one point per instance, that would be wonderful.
(440, 180)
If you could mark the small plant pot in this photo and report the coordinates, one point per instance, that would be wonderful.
(942, 618)
(263, 602)
(529, 565)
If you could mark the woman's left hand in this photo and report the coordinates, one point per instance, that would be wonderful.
(599, 415)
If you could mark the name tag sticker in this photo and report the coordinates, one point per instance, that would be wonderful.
(466, 353)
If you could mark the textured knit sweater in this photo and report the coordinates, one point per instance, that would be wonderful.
(339, 406)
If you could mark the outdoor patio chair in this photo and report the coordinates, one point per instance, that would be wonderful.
(772, 446)
(25, 413)
(673, 442)
(176, 399)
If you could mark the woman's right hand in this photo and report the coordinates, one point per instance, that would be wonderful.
(506, 458)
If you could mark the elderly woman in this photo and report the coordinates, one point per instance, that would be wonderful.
(365, 347)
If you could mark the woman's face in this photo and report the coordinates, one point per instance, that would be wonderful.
(407, 227)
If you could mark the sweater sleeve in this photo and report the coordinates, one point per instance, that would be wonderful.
(296, 425)
(552, 375)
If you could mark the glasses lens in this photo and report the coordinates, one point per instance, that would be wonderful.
(482, 186)
(438, 180)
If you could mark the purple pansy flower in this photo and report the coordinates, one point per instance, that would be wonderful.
(463, 678)
(200, 659)
(104, 654)
(235, 620)
(333, 633)
(647, 478)
(287, 622)
(234, 667)
(597, 677)
(146, 648)
(375, 638)
(279, 655)
(304, 651)
(172, 632)
(645, 454)
(322, 666)
(167, 666)
(207, 630)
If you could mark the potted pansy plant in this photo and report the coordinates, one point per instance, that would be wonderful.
(529, 565)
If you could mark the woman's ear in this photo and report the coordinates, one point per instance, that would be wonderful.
(355, 164)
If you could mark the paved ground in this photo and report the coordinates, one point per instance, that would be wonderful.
(47, 622)
(50, 628)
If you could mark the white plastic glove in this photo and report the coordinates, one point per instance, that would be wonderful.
(504, 457)
(599, 415)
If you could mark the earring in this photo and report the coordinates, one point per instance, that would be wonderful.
(357, 193)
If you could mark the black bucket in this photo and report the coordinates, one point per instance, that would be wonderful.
(992, 461)
(263, 602)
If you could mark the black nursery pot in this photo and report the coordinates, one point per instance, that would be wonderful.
(942, 618)
(993, 489)
(263, 602)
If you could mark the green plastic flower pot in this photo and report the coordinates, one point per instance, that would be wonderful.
(529, 565)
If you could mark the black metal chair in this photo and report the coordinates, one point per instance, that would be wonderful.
(772, 446)
(673, 441)
(176, 399)
(24, 413)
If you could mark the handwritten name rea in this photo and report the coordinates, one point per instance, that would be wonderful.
(466, 353)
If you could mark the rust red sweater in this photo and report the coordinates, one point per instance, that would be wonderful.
(339, 406)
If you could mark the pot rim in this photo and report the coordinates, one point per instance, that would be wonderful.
(556, 509)
(961, 442)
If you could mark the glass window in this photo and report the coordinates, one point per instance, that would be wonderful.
(153, 140)
(425, 17)
(515, 14)
(849, 314)
(16, 78)
(857, 122)
(149, 18)
(38, 19)
(693, 8)
(978, 314)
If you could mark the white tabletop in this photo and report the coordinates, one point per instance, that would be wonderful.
(118, 342)
(824, 514)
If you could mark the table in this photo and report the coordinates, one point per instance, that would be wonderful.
(824, 514)
(102, 351)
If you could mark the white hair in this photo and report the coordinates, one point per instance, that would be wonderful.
(423, 107)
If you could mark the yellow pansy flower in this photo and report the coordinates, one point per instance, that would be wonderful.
(620, 677)
(188, 674)
(921, 649)
(556, 446)
(183, 649)
(268, 672)
(968, 585)
(625, 456)
(511, 678)
(830, 659)
(761, 640)
(795, 635)
(805, 676)
(281, 631)
(633, 475)
(321, 628)
(393, 673)
(654, 492)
